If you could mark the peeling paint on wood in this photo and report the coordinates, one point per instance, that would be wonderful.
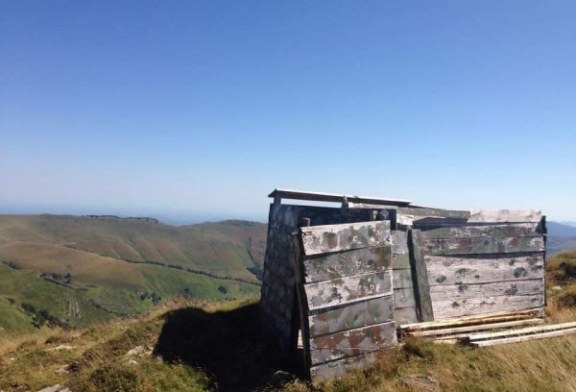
(448, 308)
(483, 245)
(335, 238)
(481, 290)
(351, 316)
(352, 342)
(443, 270)
(348, 289)
(341, 264)
(433, 212)
(509, 230)
(511, 216)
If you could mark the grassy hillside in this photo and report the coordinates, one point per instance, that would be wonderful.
(75, 270)
(218, 346)
(227, 249)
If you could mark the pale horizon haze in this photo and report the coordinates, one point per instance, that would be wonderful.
(199, 109)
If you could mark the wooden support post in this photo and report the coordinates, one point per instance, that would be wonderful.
(420, 278)
(302, 304)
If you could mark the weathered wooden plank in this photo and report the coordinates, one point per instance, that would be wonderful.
(399, 242)
(405, 315)
(336, 238)
(460, 307)
(480, 290)
(507, 230)
(349, 263)
(351, 316)
(444, 270)
(521, 331)
(474, 328)
(333, 197)
(339, 367)
(402, 278)
(351, 343)
(524, 338)
(400, 261)
(433, 212)
(505, 216)
(420, 278)
(347, 290)
(483, 245)
(472, 320)
(404, 298)
(300, 305)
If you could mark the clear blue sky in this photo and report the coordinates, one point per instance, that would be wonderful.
(201, 108)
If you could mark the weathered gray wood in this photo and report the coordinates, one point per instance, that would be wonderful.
(402, 278)
(351, 316)
(474, 328)
(348, 290)
(339, 367)
(420, 278)
(483, 245)
(524, 338)
(301, 305)
(507, 230)
(480, 290)
(444, 270)
(404, 298)
(521, 331)
(400, 261)
(351, 343)
(335, 238)
(433, 212)
(405, 315)
(472, 320)
(349, 263)
(505, 216)
(460, 307)
(400, 242)
(333, 197)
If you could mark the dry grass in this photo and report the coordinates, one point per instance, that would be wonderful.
(217, 346)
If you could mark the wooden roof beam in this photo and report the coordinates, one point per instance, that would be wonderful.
(279, 194)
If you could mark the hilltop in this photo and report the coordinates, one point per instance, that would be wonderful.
(71, 271)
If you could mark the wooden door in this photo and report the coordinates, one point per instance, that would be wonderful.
(345, 294)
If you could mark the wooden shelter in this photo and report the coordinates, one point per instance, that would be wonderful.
(345, 278)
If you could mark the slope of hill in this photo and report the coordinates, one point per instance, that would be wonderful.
(561, 237)
(74, 270)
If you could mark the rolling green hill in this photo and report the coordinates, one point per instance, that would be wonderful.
(73, 270)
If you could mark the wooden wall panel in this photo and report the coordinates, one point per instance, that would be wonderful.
(334, 238)
(348, 293)
(345, 290)
(351, 316)
(352, 343)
